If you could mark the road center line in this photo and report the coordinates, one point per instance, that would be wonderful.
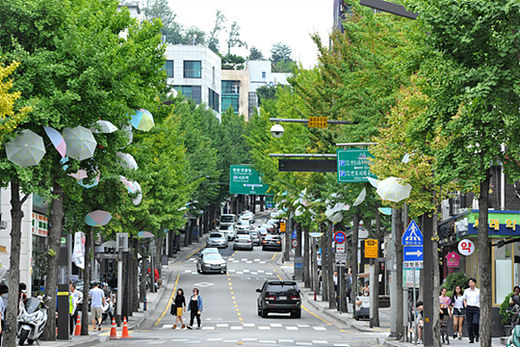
(169, 301)
(315, 315)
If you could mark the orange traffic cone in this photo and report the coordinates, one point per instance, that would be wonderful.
(113, 331)
(77, 331)
(125, 329)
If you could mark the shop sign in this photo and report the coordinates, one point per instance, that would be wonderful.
(466, 247)
(452, 259)
(371, 248)
(40, 225)
(500, 223)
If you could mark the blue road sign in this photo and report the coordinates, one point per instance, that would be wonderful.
(412, 235)
(340, 237)
(413, 253)
(294, 235)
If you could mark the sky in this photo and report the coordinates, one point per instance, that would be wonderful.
(264, 22)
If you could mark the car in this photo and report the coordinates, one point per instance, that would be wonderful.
(279, 297)
(256, 238)
(242, 227)
(248, 216)
(262, 232)
(273, 242)
(227, 219)
(211, 262)
(271, 228)
(218, 240)
(228, 230)
(243, 241)
(210, 250)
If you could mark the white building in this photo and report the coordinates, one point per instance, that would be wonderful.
(260, 74)
(195, 71)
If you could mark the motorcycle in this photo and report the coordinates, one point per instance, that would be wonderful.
(31, 320)
(514, 312)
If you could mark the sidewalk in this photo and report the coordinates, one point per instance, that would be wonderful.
(96, 337)
(363, 326)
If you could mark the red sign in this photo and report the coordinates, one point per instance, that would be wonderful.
(294, 243)
(340, 237)
(452, 259)
(466, 247)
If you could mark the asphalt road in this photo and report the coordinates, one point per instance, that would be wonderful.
(230, 315)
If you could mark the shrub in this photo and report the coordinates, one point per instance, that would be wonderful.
(453, 280)
(506, 318)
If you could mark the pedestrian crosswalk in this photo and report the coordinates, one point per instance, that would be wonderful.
(231, 259)
(240, 341)
(262, 327)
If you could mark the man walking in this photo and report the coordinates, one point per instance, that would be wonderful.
(97, 301)
(472, 303)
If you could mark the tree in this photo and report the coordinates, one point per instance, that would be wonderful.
(234, 37)
(233, 62)
(280, 52)
(473, 76)
(213, 41)
(255, 54)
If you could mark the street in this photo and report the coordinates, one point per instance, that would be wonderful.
(230, 313)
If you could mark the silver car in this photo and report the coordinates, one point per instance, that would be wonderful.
(256, 238)
(228, 230)
(218, 240)
(211, 262)
(243, 241)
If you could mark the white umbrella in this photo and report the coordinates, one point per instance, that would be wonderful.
(361, 197)
(81, 144)
(393, 189)
(373, 181)
(137, 188)
(127, 161)
(103, 127)
(127, 129)
(27, 149)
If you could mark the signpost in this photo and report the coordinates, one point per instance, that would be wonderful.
(353, 165)
(340, 247)
(269, 201)
(243, 179)
(294, 243)
(371, 248)
(317, 122)
(340, 237)
(341, 259)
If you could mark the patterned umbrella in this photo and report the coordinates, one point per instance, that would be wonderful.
(90, 183)
(145, 235)
(81, 144)
(27, 149)
(79, 175)
(142, 120)
(128, 184)
(57, 140)
(98, 218)
(137, 200)
(393, 189)
(103, 127)
(127, 161)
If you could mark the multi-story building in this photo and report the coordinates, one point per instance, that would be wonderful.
(195, 71)
(235, 92)
(260, 74)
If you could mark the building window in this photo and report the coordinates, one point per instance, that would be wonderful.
(213, 100)
(192, 69)
(190, 92)
(230, 95)
(169, 68)
(263, 74)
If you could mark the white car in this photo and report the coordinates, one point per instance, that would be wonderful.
(212, 262)
(248, 216)
(209, 251)
(242, 226)
(228, 230)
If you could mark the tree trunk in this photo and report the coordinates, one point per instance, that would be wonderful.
(484, 264)
(436, 283)
(374, 294)
(144, 268)
(53, 239)
(399, 272)
(14, 263)
(354, 265)
(331, 266)
(324, 269)
(89, 238)
(306, 259)
(187, 233)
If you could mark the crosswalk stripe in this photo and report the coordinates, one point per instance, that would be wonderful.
(236, 327)
(292, 328)
(303, 325)
(275, 325)
(320, 342)
(263, 327)
(214, 339)
(208, 328)
(267, 341)
(249, 325)
(167, 326)
(222, 325)
(285, 341)
(319, 328)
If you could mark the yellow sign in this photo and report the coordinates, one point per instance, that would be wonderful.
(317, 122)
(371, 248)
(282, 227)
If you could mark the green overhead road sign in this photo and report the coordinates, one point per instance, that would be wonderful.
(243, 179)
(353, 166)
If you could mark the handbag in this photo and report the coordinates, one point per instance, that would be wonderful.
(173, 310)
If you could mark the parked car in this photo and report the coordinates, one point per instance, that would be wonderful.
(228, 230)
(272, 242)
(243, 241)
(279, 297)
(256, 238)
(211, 262)
(227, 219)
(218, 240)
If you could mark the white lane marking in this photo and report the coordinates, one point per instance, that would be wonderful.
(292, 328)
(257, 259)
(275, 325)
(254, 273)
(249, 325)
(249, 278)
(155, 342)
(179, 340)
(167, 326)
(249, 262)
(189, 270)
(231, 270)
(267, 341)
(194, 341)
(269, 273)
(192, 259)
(243, 259)
(262, 262)
(245, 270)
(260, 271)
(214, 339)
(249, 339)
(285, 341)
(341, 345)
(304, 343)
(239, 272)
(236, 327)
(222, 325)
(320, 342)
(262, 327)
(319, 328)
(208, 328)
(236, 261)
(230, 341)
(303, 325)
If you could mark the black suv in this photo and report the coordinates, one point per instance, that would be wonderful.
(279, 297)
(272, 242)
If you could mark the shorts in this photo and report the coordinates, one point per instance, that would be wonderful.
(97, 312)
(179, 311)
(459, 312)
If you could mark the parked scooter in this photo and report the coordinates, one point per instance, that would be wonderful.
(31, 320)
(514, 313)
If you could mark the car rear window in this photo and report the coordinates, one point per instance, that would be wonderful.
(215, 235)
(227, 219)
(277, 288)
(225, 227)
(244, 236)
(212, 256)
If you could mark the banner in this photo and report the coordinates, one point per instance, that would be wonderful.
(78, 255)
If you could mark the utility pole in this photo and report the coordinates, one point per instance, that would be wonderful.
(429, 263)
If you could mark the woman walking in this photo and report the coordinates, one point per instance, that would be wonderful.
(195, 308)
(179, 304)
(459, 312)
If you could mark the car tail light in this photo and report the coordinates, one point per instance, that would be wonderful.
(270, 297)
(248, 241)
(277, 241)
(294, 297)
(264, 241)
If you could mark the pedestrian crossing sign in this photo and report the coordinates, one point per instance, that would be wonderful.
(412, 235)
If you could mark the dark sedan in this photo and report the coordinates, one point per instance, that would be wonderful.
(279, 297)
(272, 242)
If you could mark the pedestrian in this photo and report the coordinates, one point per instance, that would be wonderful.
(419, 321)
(178, 308)
(458, 311)
(76, 299)
(22, 295)
(472, 303)
(365, 291)
(516, 292)
(445, 304)
(97, 301)
(195, 308)
(349, 286)
(3, 305)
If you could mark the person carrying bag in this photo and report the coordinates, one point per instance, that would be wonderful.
(195, 308)
(178, 307)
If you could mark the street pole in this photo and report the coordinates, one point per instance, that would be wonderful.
(394, 286)
(429, 263)
(119, 302)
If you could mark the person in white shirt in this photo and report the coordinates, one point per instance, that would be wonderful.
(472, 303)
(77, 298)
(97, 301)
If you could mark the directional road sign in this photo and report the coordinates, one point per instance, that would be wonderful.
(413, 253)
(341, 259)
(340, 237)
(353, 165)
(243, 179)
(412, 235)
(294, 235)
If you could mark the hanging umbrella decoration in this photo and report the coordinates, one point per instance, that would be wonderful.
(127, 161)
(57, 140)
(145, 235)
(127, 130)
(81, 144)
(98, 218)
(142, 120)
(103, 127)
(137, 200)
(393, 189)
(27, 149)
(94, 181)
